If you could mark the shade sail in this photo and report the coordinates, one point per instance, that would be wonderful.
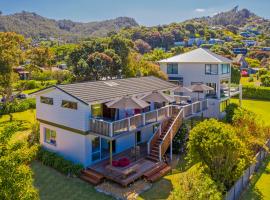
(158, 97)
(127, 102)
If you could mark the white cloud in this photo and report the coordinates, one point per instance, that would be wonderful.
(200, 10)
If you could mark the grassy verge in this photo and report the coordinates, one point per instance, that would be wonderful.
(52, 185)
(260, 184)
(260, 107)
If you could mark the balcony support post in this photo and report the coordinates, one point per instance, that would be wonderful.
(143, 119)
(128, 128)
(111, 130)
(171, 146)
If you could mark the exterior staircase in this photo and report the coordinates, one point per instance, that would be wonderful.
(163, 137)
(91, 176)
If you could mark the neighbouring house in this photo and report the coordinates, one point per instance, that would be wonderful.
(215, 41)
(249, 43)
(180, 43)
(79, 122)
(23, 74)
(203, 66)
(240, 51)
(266, 49)
(240, 61)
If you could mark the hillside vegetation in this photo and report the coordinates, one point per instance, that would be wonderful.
(33, 25)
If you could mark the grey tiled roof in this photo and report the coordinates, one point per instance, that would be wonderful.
(95, 91)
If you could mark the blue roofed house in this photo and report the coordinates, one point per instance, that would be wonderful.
(216, 41)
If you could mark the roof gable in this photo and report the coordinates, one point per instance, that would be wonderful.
(199, 55)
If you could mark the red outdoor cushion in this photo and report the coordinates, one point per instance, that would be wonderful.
(115, 163)
(123, 162)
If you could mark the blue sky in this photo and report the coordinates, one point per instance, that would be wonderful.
(146, 12)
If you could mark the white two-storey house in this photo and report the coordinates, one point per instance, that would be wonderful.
(203, 66)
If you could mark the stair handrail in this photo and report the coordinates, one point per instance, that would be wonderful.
(152, 137)
(169, 130)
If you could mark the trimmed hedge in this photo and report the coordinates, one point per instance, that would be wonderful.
(256, 92)
(57, 162)
(19, 106)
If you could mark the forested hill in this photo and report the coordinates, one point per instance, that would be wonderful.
(233, 17)
(35, 26)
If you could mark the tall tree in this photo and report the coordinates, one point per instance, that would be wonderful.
(16, 180)
(98, 66)
(217, 147)
(41, 56)
(11, 54)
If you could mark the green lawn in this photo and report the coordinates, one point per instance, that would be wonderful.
(260, 184)
(54, 186)
(260, 107)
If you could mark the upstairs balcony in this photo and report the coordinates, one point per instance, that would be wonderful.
(115, 128)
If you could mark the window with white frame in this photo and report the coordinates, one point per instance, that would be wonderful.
(211, 69)
(50, 136)
(172, 68)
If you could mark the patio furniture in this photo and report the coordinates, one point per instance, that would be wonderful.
(123, 172)
(123, 162)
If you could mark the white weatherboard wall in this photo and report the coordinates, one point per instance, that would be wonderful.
(77, 119)
(72, 146)
(194, 72)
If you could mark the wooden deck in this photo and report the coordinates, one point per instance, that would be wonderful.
(125, 175)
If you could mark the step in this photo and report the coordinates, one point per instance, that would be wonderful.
(159, 174)
(152, 159)
(154, 170)
(91, 173)
(90, 179)
(156, 151)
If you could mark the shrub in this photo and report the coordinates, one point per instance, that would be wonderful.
(262, 71)
(59, 163)
(230, 109)
(196, 185)
(216, 146)
(19, 106)
(179, 139)
(250, 78)
(256, 92)
(265, 79)
(235, 75)
(250, 129)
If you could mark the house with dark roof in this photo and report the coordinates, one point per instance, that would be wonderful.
(84, 123)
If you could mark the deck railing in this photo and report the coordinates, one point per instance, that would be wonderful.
(114, 128)
(153, 139)
(167, 139)
(131, 123)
